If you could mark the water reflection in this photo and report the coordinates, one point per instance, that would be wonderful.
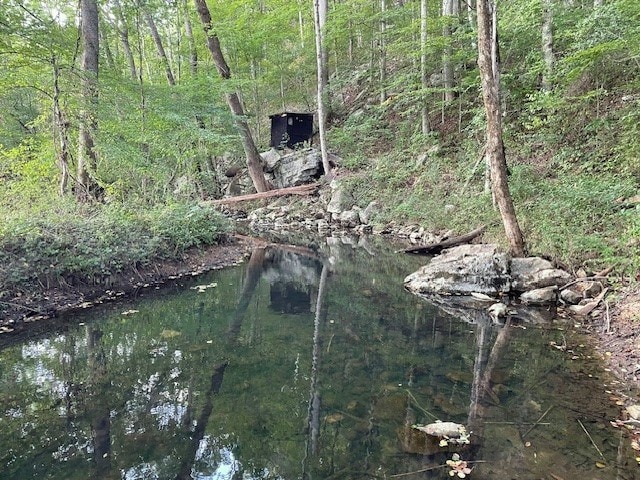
(301, 364)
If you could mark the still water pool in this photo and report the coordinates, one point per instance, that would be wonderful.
(302, 364)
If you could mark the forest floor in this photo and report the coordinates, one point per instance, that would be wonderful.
(619, 337)
(617, 331)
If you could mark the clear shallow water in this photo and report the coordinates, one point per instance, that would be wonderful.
(300, 366)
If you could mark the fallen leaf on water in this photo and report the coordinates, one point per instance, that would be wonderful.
(334, 418)
(600, 465)
(169, 333)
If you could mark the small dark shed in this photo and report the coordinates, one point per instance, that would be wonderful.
(290, 128)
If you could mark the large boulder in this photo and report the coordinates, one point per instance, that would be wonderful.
(293, 169)
(532, 273)
(463, 270)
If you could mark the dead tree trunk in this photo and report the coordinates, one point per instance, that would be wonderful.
(254, 161)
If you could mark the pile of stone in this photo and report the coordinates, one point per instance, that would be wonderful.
(482, 272)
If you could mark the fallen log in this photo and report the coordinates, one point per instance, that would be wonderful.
(299, 190)
(450, 242)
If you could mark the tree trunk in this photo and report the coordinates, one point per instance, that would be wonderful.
(61, 133)
(423, 65)
(547, 44)
(193, 52)
(158, 42)
(447, 66)
(123, 31)
(320, 16)
(471, 13)
(383, 51)
(254, 161)
(86, 187)
(107, 49)
(495, 147)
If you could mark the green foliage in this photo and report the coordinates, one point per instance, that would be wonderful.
(67, 242)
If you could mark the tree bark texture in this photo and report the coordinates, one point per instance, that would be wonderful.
(319, 17)
(253, 159)
(495, 147)
(86, 188)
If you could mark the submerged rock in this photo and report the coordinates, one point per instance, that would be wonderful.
(442, 429)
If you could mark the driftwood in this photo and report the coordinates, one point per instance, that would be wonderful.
(306, 189)
(451, 242)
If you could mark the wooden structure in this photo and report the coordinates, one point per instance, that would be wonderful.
(289, 129)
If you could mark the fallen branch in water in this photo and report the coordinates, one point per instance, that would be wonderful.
(397, 475)
(451, 242)
(537, 422)
(590, 438)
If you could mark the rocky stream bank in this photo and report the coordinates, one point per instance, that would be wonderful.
(489, 283)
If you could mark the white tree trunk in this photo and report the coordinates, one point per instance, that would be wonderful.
(320, 17)
(447, 66)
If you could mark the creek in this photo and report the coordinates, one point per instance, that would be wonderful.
(302, 364)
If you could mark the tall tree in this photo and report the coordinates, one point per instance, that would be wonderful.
(188, 31)
(547, 44)
(157, 40)
(448, 12)
(253, 159)
(319, 20)
(489, 76)
(424, 72)
(87, 187)
(123, 31)
(61, 130)
(383, 50)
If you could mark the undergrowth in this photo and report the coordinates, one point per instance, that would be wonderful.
(71, 243)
